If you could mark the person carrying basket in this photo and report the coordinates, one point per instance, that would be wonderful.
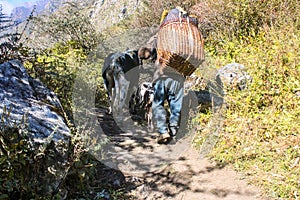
(179, 52)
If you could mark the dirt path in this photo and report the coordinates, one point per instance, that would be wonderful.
(191, 178)
(169, 171)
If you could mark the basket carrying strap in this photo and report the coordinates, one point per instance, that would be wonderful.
(190, 38)
(190, 35)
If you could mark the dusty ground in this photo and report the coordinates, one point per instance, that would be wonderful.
(190, 177)
(174, 171)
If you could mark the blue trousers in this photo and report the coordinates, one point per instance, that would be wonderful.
(169, 89)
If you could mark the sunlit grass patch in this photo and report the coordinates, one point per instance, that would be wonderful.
(261, 133)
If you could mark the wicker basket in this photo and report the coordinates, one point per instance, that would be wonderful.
(180, 46)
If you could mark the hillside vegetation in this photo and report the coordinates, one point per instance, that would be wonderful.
(261, 132)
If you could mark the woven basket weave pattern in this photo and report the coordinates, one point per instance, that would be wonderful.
(180, 46)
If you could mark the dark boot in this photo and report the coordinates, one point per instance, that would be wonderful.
(173, 131)
(163, 138)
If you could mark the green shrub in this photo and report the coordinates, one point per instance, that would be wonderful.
(58, 67)
(21, 162)
(70, 22)
(229, 18)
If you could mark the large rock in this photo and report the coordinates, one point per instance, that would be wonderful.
(234, 76)
(22, 96)
(31, 118)
(27, 104)
(229, 77)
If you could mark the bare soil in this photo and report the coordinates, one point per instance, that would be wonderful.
(173, 171)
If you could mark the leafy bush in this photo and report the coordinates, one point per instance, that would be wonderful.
(14, 161)
(24, 165)
(26, 168)
(62, 42)
(58, 67)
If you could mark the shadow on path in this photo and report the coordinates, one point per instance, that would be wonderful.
(174, 172)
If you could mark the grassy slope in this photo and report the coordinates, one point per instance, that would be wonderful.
(261, 130)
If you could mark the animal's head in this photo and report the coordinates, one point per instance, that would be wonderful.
(146, 53)
(144, 87)
(147, 93)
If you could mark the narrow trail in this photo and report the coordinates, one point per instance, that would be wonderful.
(175, 172)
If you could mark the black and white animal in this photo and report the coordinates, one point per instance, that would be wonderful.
(139, 96)
(142, 101)
(148, 99)
(120, 73)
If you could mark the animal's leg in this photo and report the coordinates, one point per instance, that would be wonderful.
(116, 98)
(150, 122)
(109, 85)
(112, 100)
(132, 104)
(124, 100)
(148, 117)
(125, 94)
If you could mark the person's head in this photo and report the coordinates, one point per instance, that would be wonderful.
(181, 10)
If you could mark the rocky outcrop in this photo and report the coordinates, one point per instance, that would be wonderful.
(21, 13)
(107, 13)
(229, 77)
(28, 107)
(234, 76)
(103, 13)
(24, 97)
